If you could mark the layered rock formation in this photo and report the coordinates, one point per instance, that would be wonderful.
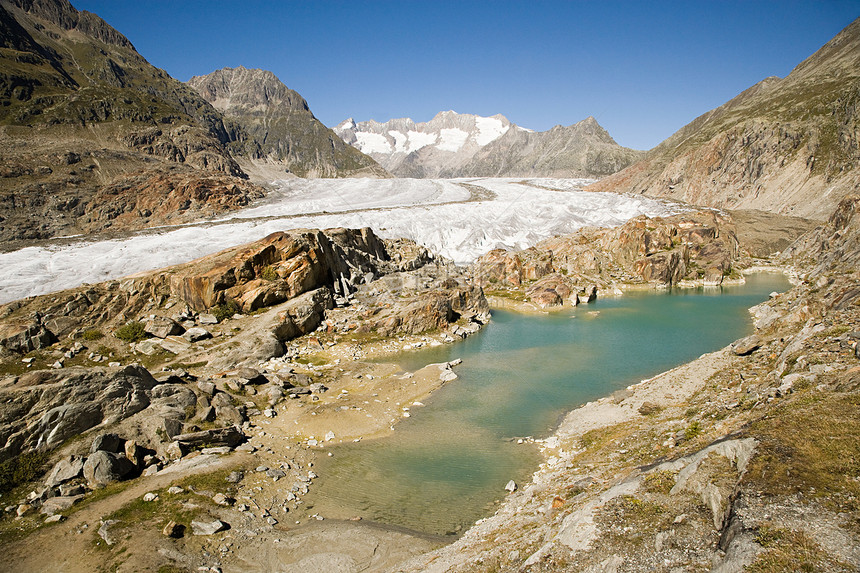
(693, 247)
(786, 145)
(465, 145)
(276, 126)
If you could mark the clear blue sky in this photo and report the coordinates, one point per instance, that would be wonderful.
(643, 69)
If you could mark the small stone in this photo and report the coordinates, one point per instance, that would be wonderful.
(511, 486)
(56, 518)
(271, 520)
(104, 531)
(175, 489)
(329, 436)
(23, 509)
(206, 318)
(235, 477)
(261, 469)
(222, 499)
(150, 496)
(208, 527)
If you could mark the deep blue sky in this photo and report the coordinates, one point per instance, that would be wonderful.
(643, 69)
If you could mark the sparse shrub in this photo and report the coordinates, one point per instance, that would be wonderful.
(225, 310)
(131, 332)
(92, 334)
(660, 482)
(693, 430)
(269, 274)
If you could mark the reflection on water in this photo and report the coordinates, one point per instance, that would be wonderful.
(446, 465)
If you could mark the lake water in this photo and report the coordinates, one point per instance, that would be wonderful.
(447, 465)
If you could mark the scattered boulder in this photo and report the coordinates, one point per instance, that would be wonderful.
(105, 533)
(747, 345)
(162, 327)
(60, 503)
(196, 334)
(102, 468)
(107, 443)
(231, 436)
(511, 486)
(173, 529)
(65, 470)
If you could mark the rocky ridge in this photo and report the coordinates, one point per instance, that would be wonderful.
(85, 119)
(786, 145)
(276, 127)
(693, 248)
(466, 145)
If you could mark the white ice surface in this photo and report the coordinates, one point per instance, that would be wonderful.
(372, 142)
(489, 129)
(452, 139)
(435, 213)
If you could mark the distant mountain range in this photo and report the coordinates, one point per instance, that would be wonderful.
(786, 145)
(465, 145)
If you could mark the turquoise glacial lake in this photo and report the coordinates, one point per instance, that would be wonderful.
(447, 465)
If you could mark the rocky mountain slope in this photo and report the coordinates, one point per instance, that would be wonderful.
(786, 145)
(94, 138)
(276, 126)
(82, 112)
(465, 145)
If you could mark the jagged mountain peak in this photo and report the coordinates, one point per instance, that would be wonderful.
(243, 87)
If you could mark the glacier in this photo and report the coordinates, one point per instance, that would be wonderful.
(461, 219)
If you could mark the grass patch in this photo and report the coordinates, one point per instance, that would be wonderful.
(225, 310)
(22, 469)
(92, 334)
(131, 332)
(811, 445)
(660, 482)
(791, 551)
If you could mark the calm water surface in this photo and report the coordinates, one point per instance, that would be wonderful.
(447, 465)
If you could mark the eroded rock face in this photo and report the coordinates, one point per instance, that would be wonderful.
(698, 245)
(280, 267)
(63, 404)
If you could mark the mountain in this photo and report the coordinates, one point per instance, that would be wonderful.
(277, 126)
(465, 145)
(786, 145)
(89, 129)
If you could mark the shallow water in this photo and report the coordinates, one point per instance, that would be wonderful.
(447, 465)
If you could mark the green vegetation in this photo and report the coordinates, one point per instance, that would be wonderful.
(269, 274)
(131, 332)
(791, 551)
(225, 310)
(92, 334)
(660, 482)
(21, 469)
(693, 430)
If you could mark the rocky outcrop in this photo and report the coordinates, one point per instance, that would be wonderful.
(277, 126)
(43, 409)
(785, 145)
(465, 145)
(697, 246)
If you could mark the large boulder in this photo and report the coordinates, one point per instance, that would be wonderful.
(102, 468)
(162, 327)
(24, 338)
(65, 470)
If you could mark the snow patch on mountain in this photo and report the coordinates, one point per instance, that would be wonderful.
(452, 139)
(489, 129)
